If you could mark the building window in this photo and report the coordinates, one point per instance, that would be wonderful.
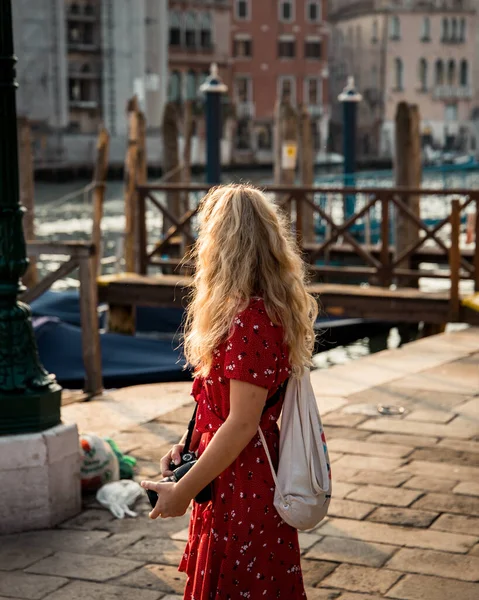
(374, 35)
(174, 89)
(439, 72)
(206, 38)
(423, 74)
(451, 73)
(243, 89)
(374, 77)
(286, 11)
(287, 89)
(454, 31)
(464, 73)
(175, 29)
(399, 74)
(394, 28)
(312, 48)
(286, 47)
(242, 9)
(191, 87)
(312, 91)
(313, 11)
(451, 112)
(426, 30)
(445, 30)
(462, 30)
(190, 30)
(243, 47)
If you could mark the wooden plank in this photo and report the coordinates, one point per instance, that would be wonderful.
(454, 260)
(130, 182)
(385, 275)
(46, 283)
(99, 178)
(140, 241)
(476, 248)
(91, 349)
(73, 249)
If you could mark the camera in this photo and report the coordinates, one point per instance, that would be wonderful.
(188, 460)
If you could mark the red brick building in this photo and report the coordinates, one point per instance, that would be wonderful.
(279, 49)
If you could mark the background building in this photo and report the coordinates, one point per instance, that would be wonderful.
(280, 50)
(79, 62)
(419, 51)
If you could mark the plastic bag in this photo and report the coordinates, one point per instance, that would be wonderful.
(119, 496)
(99, 462)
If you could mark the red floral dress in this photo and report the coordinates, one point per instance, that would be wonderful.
(238, 546)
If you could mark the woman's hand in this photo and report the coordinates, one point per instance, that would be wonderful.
(171, 503)
(174, 455)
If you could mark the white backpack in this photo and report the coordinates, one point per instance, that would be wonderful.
(303, 481)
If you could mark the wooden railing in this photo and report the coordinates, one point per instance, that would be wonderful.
(378, 262)
(82, 255)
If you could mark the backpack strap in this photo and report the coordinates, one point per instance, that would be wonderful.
(273, 472)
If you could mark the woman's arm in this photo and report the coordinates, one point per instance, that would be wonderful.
(246, 405)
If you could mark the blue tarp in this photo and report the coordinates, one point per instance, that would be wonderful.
(125, 360)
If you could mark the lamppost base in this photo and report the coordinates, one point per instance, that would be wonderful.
(30, 412)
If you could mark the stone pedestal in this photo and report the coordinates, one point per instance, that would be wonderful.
(40, 479)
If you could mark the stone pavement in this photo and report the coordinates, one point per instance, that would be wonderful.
(404, 519)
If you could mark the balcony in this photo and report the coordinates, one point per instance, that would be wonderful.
(84, 104)
(315, 110)
(452, 92)
(84, 71)
(82, 46)
(81, 17)
(245, 110)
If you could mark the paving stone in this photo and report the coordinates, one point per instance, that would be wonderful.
(85, 590)
(464, 445)
(159, 550)
(369, 448)
(402, 516)
(307, 540)
(321, 593)
(430, 484)
(149, 528)
(16, 584)
(379, 478)
(459, 428)
(475, 551)
(116, 543)
(362, 579)
(451, 503)
(446, 455)
(349, 509)
(162, 578)
(385, 495)
(441, 471)
(417, 441)
(343, 473)
(341, 490)
(55, 540)
(172, 597)
(370, 462)
(344, 433)
(398, 536)
(147, 469)
(457, 524)
(351, 551)
(341, 419)
(13, 556)
(180, 415)
(314, 571)
(94, 518)
(430, 416)
(349, 596)
(82, 566)
(469, 488)
(422, 587)
(430, 562)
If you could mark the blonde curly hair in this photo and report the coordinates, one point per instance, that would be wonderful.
(245, 249)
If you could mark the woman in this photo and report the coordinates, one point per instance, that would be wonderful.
(249, 328)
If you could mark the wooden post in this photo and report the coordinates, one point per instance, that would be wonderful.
(99, 179)
(408, 172)
(476, 248)
(142, 179)
(130, 178)
(385, 264)
(306, 162)
(91, 348)
(188, 126)
(455, 259)
(27, 194)
(171, 161)
(286, 137)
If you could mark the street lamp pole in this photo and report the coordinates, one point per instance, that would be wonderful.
(350, 99)
(213, 88)
(30, 398)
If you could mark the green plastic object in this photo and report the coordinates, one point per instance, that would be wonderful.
(127, 463)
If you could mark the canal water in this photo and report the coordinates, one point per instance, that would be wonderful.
(63, 211)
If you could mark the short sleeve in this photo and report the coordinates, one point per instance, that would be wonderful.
(253, 351)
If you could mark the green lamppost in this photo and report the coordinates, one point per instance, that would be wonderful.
(30, 398)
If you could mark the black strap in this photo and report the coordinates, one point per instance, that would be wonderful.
(191, 426)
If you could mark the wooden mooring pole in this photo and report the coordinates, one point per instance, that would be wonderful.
(286, 147)
(171, 161)
(27, 194)
(306, 167)
(99, 179)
